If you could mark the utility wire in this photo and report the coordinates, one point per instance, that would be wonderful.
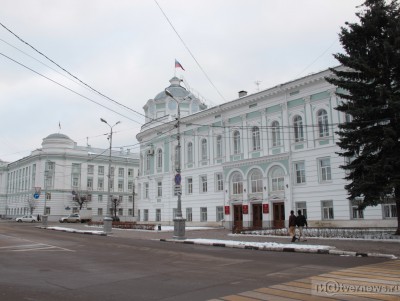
(190, 52)
(65, 87)
(84, 84)
(322, 54)
(88, 86)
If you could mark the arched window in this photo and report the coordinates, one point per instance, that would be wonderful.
(323, 129)
(159, 158)
(255, 138)
(298, 128)
(256, 181)
(237, 183)
(204, 149)
(277, 176)
(276, 134)
(219, 146)
(236, 142)
(190, 152)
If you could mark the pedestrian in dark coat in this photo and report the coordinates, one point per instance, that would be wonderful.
(292, 226)
(301, 221)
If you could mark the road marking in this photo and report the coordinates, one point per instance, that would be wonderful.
(33, 247)
(16, 244)
(384, 276)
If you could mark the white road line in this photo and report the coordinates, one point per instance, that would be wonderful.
(33, 244)
(44, 248)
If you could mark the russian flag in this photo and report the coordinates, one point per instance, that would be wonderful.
(178, 65)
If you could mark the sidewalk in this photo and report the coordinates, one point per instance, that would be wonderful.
(223, 237)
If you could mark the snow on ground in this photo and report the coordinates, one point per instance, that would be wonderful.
(260, 245)
(74, 230)
(227, 243)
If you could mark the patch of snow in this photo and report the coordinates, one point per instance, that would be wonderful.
(74, 230)
(260, 245)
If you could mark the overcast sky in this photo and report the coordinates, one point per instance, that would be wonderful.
(126, 50)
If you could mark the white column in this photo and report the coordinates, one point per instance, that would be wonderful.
(245, 135)
(309, 130)
(285, 127)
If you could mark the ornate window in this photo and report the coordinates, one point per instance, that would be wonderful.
(219, 182)
(256, 181)
(300, 172)
(276, 134)
(204, 149)
(323, 128)
(255, 138)
(236, 142)
(219, 146)
(237, 183)
(190, 152)
(277, 179)
(147, 164)
(298, 128)
(324, 166)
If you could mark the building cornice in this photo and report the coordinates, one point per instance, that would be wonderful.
(255, 161)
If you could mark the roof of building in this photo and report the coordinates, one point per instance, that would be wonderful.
(176, 90)
(57, 136)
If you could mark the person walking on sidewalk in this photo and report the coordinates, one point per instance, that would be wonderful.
(301, 221)
(292, 226)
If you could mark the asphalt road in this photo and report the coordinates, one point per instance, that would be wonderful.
(38, 264)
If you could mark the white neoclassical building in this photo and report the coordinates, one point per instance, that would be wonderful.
(250, 161)
(62, 167)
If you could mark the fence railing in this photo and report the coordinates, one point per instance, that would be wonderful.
(126, 225)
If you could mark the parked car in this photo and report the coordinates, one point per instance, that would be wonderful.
(26, 218)
(72, 218)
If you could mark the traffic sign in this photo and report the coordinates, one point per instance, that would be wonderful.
(178, 179)
(36, 195)
(178, 189)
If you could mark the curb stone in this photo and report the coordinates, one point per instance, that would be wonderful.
(288, 249)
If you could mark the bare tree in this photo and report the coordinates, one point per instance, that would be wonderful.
(81, 198)
(32, 204)
(115, 202)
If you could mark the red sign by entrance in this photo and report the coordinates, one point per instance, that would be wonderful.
(227, 209)
(245, 209)
(265, 208)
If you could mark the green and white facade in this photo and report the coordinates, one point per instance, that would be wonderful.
(248, 162)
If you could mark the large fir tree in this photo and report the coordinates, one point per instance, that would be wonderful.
(369, 84)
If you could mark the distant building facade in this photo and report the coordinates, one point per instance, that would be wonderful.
(248, 162)
(62, 169)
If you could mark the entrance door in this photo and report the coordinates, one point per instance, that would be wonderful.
(237, 217)
(257, 216)
(279, 215)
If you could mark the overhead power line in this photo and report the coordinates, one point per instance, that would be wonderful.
(69, 89)
(75, 77)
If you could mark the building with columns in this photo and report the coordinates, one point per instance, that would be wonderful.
(62, 169)
(250, 161)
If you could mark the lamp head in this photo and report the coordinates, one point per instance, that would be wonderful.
(102, 120)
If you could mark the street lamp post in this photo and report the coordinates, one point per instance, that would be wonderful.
(179, 221)
(46, 174)
(107, 221)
